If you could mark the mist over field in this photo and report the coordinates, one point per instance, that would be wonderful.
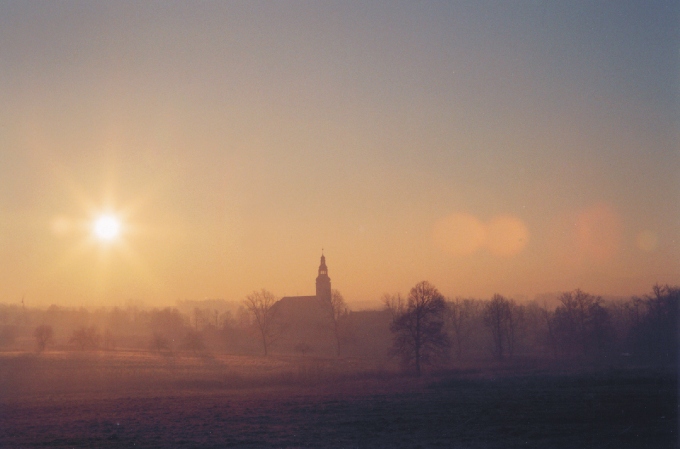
(472, 373)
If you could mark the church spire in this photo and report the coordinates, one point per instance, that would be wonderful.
(323, 269)
(323, 282)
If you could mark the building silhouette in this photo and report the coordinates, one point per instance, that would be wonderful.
(323, 287)
(305, 320)
(304, 325)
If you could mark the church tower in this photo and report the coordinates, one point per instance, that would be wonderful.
(323, 282)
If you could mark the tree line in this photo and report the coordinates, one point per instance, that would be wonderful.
(429, 329)
(423, 329)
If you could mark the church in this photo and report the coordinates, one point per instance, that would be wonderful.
(304, 325)
(323, 286)
(304, 320)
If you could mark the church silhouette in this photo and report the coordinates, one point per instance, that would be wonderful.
(304, 325)
(323, 286)
(304, 320)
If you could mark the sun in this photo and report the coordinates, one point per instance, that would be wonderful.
(106, 227)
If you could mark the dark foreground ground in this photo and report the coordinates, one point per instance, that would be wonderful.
(630, 408)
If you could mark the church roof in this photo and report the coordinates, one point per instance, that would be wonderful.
(297, 299)
(300, 309)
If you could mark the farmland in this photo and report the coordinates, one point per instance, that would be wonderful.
(142, 399)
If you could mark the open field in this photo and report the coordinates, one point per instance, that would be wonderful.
(123, 399)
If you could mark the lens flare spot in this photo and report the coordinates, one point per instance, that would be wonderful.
(463, 234)
(506, 236)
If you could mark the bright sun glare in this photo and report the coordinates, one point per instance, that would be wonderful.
(106, 227)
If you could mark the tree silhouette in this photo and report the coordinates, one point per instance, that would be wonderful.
(654, 334)
(260, 305)
(498, 318)
(167, 327)
(43, 336)
(579, 325)
(418, 326)
(159, 343)
(86, 338)
(337, 310)
(193, 341)
(460, 319)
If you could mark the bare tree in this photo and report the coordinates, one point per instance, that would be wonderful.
(394, 304)
(243, 317)
(86, 338)
(547, 317)
(418, 326)
(497, 317)
(654, 334)
(43, 336)
(516, 326)
(109, 340)
(203, 318)
(193, 341)
(534, 328)
(159, 343)
(579, 325)
(337, 310)
(261, 306)
(460, 315)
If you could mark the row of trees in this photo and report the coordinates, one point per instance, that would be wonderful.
(428, 329)
(165, 330)
(84, 337)
(84, 329)
(425, 327)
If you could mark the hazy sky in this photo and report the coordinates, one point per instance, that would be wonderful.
(510, 147)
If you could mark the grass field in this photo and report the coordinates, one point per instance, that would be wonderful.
(122, 399)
